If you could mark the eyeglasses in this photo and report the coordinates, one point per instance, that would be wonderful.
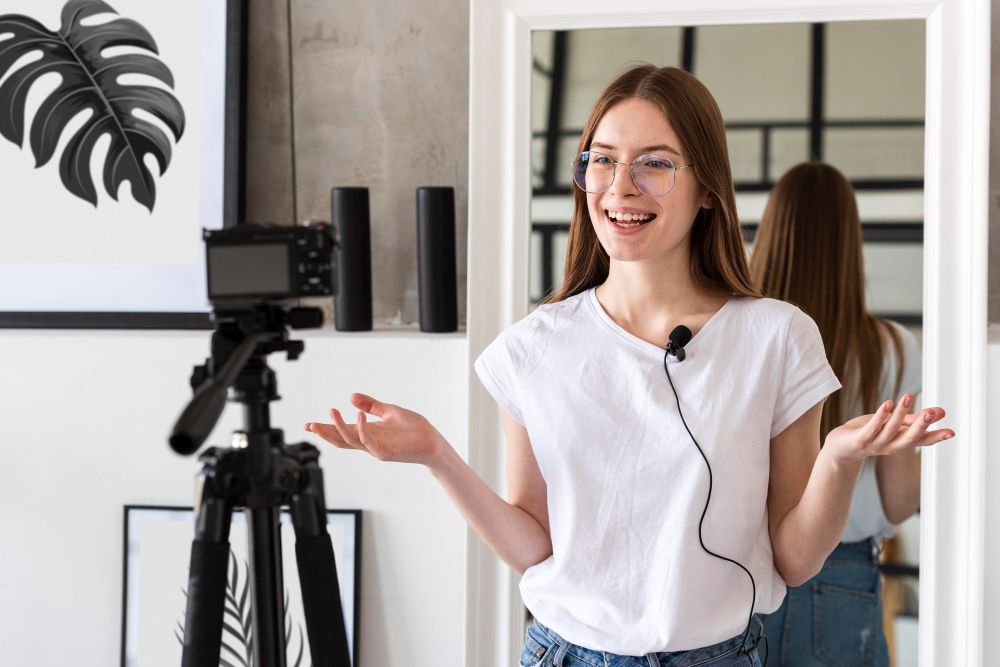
(653, 175)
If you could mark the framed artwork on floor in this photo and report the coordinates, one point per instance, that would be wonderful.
(157, 551)
(121, 138)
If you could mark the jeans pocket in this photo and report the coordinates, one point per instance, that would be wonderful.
(533, 652)
(847, 623)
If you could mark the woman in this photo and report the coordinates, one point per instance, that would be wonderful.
(808, 252)
(605, 486)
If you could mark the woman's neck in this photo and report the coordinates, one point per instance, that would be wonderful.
(649, 298)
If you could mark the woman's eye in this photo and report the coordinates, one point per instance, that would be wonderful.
(657, 164)
(601, 159)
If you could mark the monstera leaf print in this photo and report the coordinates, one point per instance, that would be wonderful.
(89, 81)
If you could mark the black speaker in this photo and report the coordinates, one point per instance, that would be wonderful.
(350, 218)
(436, 259)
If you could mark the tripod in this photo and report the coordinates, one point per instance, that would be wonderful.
(260, 474)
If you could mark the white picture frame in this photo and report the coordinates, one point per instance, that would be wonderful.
(105, 258)
(955, 275)
(157, 548)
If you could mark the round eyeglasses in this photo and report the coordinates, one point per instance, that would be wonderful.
(653, 175)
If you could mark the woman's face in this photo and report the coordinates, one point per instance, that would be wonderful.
(631, 128)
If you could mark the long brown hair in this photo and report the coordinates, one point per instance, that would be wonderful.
(808, 252)
(718, 254)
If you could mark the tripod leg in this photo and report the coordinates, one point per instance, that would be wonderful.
(206, 593)
(318, 578)
(266, 588)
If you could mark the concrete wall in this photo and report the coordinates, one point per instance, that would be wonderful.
(361, 94)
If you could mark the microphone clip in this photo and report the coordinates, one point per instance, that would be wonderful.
(676, 350)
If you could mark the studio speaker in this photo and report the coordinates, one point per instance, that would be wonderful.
(350, 217)
(436, 259)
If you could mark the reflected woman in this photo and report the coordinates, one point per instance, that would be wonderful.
(808, 252)
(646, 521)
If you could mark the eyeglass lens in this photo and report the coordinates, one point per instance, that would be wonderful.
(652, 175)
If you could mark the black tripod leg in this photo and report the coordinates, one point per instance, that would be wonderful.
(318, 577)
(206, 593)
(266, 590)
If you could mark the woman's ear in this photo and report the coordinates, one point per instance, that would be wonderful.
(706, 200)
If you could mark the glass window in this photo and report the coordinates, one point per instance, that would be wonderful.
(595, 57)
(875, 69)
(756, 72)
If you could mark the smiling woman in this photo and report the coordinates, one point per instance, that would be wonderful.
(955, 157)
(610, 513)
(697, 214)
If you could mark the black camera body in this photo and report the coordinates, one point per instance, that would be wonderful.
(269, 263)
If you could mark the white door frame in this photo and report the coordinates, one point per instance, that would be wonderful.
(955, 275)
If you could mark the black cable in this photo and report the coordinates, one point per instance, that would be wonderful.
(753, 585)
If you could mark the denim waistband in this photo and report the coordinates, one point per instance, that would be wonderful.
(864, 551)
(550, 641)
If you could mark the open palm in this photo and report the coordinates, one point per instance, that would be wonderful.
(887, 431)
(402, 435)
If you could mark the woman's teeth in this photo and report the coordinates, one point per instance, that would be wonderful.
(628, 219)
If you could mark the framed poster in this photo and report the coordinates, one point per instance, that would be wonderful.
(156, 558)
(121, 137)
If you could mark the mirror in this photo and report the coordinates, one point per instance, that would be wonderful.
(850, 94)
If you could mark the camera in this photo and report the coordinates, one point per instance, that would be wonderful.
(255, 262)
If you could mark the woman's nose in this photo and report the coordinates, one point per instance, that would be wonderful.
(622, 184)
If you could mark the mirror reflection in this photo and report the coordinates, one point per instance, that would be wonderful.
(825, 131)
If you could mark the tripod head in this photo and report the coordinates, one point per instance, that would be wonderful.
(245, 334)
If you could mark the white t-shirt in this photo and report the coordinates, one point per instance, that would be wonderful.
(867, 517)
(626, 485)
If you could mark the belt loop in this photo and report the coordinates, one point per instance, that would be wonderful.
(652, 660)
(561, 650)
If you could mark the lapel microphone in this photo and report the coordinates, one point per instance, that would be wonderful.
(679, 337)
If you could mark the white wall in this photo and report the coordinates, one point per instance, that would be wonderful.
(83, 424)
(991, 618)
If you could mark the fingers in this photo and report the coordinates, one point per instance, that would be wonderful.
(934, 437)
(365, 435)
(909, 419)
(347, 431)
(871, 429)
(891, 426)
(328, 433)
(916, 435)
(370, 405)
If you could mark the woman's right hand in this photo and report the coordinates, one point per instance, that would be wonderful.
(402, 435)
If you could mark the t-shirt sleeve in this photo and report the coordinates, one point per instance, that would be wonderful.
(806, 376)
(499, 368)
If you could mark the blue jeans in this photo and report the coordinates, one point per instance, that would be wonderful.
(544, 648)
(835, 618)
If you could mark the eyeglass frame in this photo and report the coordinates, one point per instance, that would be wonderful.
(616, 164)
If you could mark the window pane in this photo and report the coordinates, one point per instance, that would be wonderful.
(745, 155)
(595, 57)
(535, 262)
(788, 148)
(564, 160)
(756, 72)
(894, 273)
(876, 152)
(559, 244)
(875, 69)
(537, 162)
(541, 88)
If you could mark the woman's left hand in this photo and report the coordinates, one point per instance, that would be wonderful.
(887, 431)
